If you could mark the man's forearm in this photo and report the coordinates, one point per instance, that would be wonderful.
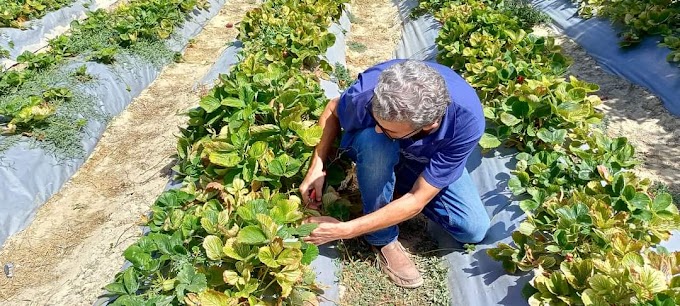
(402, 209)
(330, 124)
(399, 210)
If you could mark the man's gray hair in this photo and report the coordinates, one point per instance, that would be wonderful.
(412, 92)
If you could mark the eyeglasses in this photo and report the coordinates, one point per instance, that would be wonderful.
(370, 112)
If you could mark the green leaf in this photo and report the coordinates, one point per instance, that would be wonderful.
(233, 102)
(652, 280)
(257, 150)
(528, 206)
(515, 186)
(310, 254)
(509, 120)
(526, 228)
(213, 247)
(489, 141)
(310, 136)
(661, 202)
(602, 284)
(306, 229)
(230, 277)
(289, 257)
(251, 234)
(116, 288)
(632, 260)
(489, 113)
(553, 249)
(194, 282)
(267, 257)
(591, 298)
(640, 201)
(215, 298)
(284, 165)
(130, 281)
(227, 160)
(209, 104)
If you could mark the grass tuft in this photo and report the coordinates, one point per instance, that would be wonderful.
(366, 284)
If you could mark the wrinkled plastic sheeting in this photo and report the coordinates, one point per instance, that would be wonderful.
(226, 60)
(30, 176)
(417, 36)
(475, 279)
(39, 31)
(644, 64)
(324, 265)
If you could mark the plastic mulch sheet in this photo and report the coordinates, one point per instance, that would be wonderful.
(644, 64)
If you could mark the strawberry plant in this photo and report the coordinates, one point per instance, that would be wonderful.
(14, 12)
(232, 234)
(291, 31)
(267, 117)
(639, 19)
(249, 250)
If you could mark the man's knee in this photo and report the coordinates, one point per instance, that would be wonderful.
(472, 230)
(374, 149)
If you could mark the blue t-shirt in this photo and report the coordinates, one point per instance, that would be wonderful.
(443, 153)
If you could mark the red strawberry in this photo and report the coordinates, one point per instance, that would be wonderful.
(520, 79)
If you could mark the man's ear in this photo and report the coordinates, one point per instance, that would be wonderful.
(431, 126)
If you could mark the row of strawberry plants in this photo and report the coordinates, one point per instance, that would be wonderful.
(232, 234)
(591, 223)
(15, 12)
(134, 28)
(640, 19)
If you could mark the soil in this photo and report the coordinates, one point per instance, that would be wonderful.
(74, 246)
(375, 25)
(631, 111)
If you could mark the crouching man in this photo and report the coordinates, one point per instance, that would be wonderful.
(410, 127)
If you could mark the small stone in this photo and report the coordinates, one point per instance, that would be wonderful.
(9, 269)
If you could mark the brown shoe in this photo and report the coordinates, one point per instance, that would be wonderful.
(401, 270)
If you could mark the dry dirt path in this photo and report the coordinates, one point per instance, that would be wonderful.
(74, 246)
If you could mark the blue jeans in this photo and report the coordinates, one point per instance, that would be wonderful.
(380, 170)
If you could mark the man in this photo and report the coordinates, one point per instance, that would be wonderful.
(410, 127)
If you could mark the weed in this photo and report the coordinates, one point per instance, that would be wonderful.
(353, 18)
(60, 134)
(356, 46)
(342, 76)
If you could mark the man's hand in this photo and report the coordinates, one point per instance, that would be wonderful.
(311, 187)
(329, 229)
